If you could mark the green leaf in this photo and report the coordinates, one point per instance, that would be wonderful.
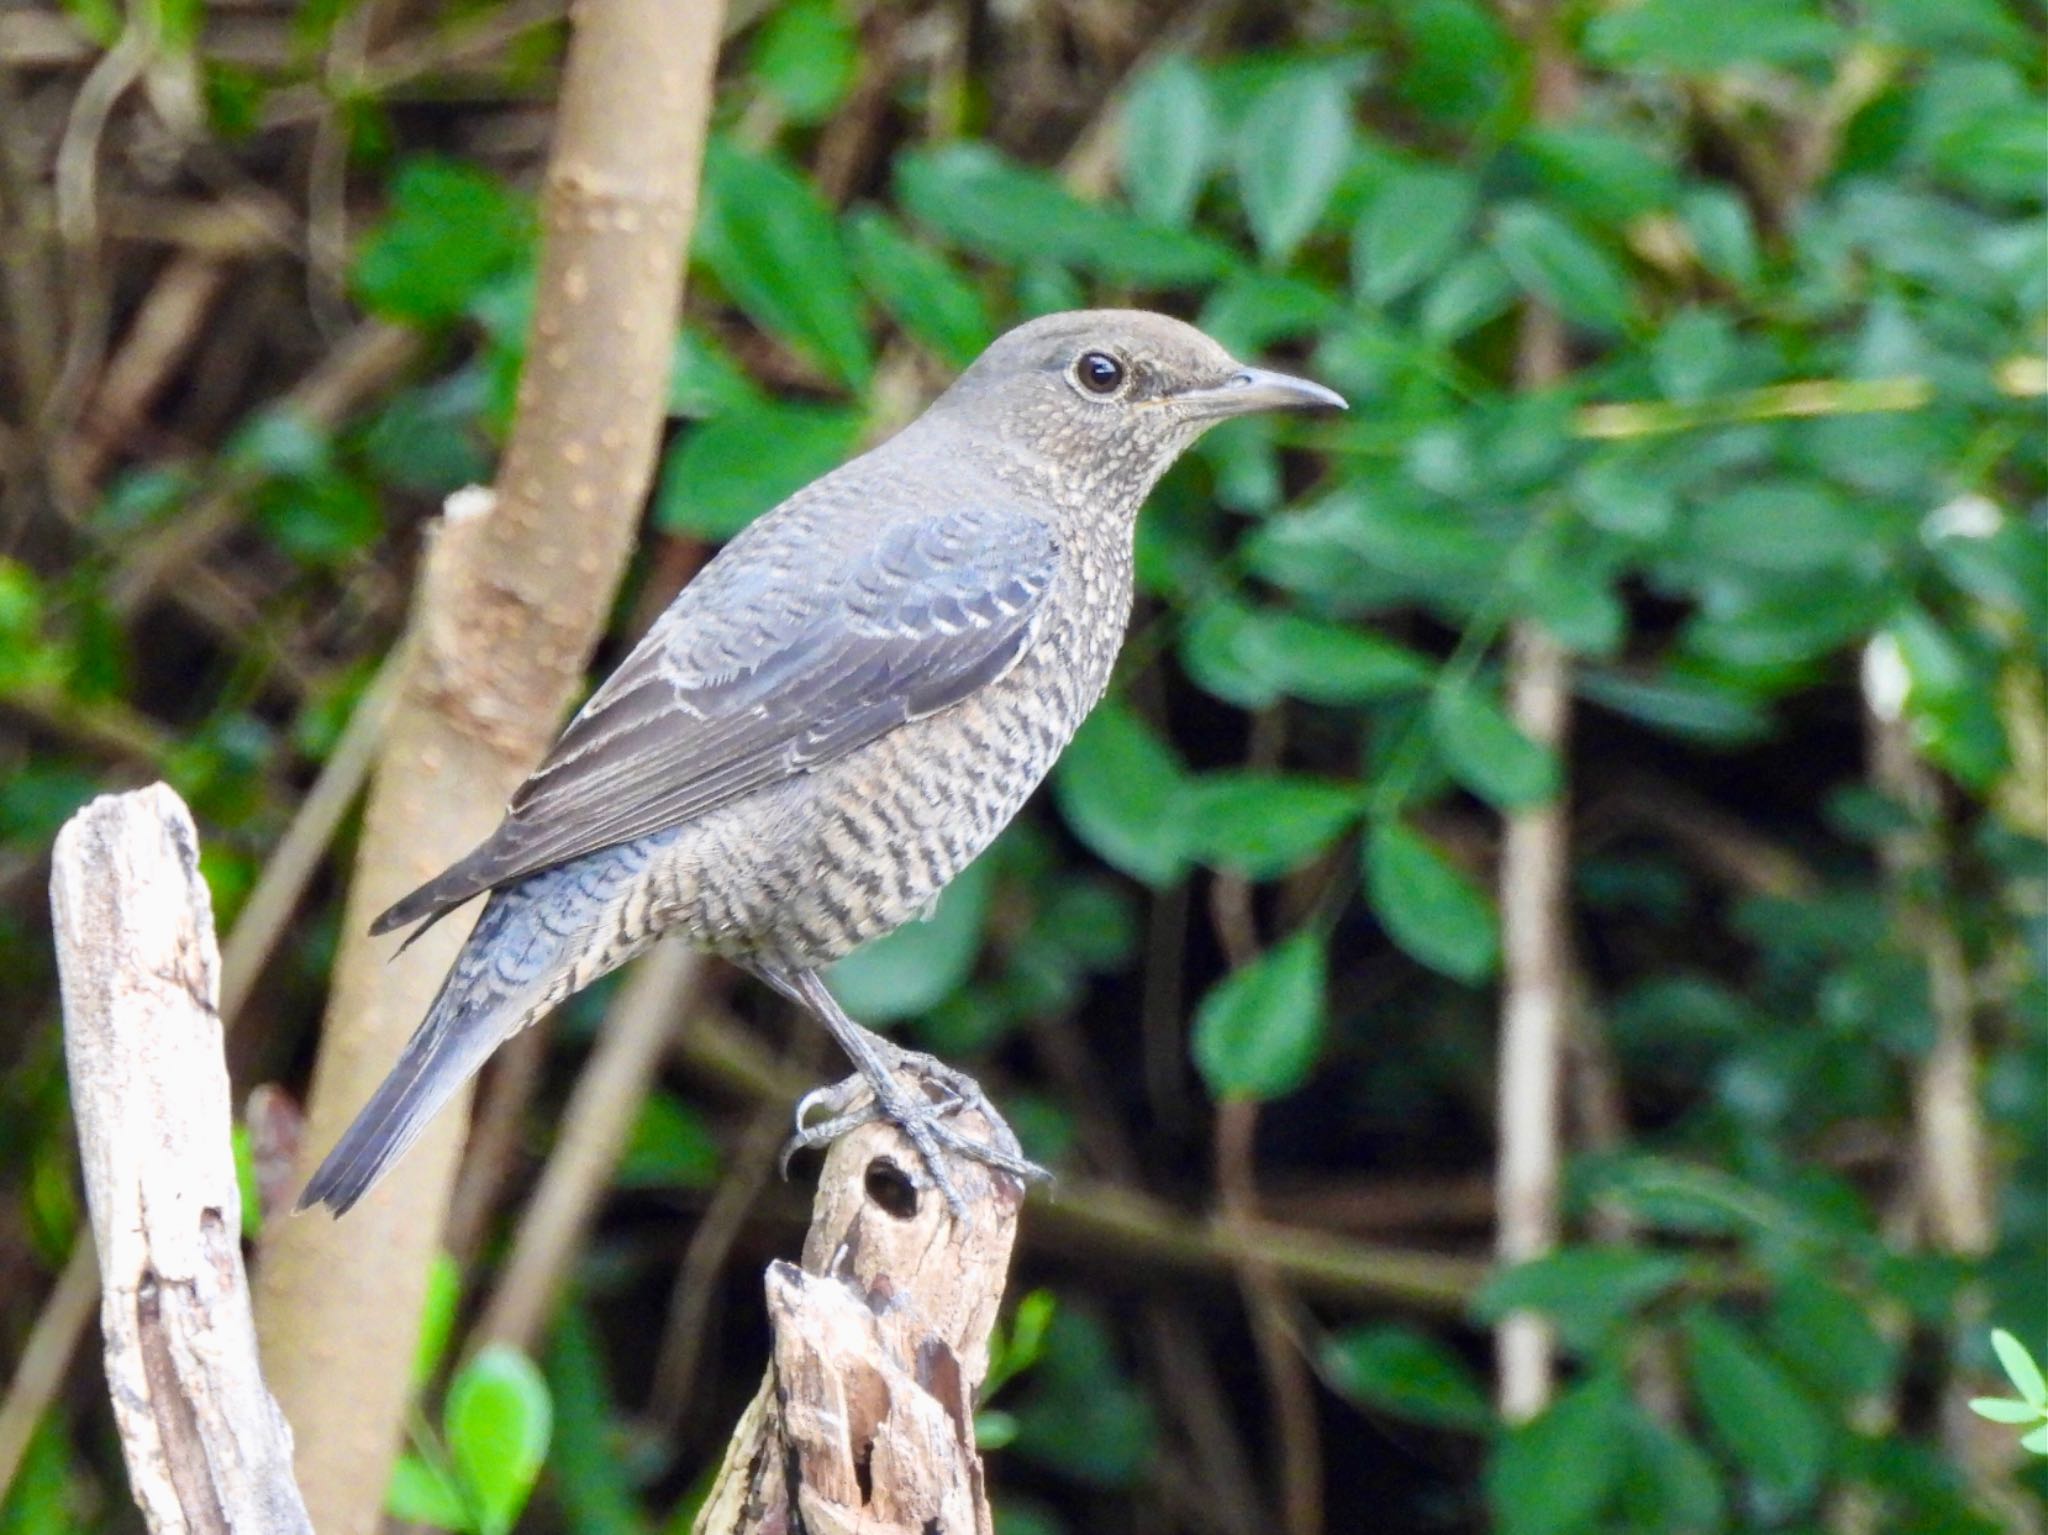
(2004, 1409)
(437, 1317)
(1259, 1030)
(1722, 233)
(1587, 1291)
(1551, 260)
(970, 194)
(2036, 1443)
(1485, 750)
(1117, 785)
(498, 1421)
(807, 56)
(1292, 150)
(1700, 39)
(922, 963)
(1755, 1409)
(1429, 906)
(919, 288)
(721, 474)
(1460, 64)
(1408, 1373)
(2020, 1369)
(1784, 525)
(1167, 140)
(1606, 177)
(774, 246)
(671, 1147)
(1325, 662)
(1682, 705)
(592, 1472)
(451, 231)
(1473, 290)
(1555, 1474)
(1262, 825)
(1415, 222)
(323, 520)
(420, 1492)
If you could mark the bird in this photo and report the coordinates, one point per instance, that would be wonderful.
(830, 721)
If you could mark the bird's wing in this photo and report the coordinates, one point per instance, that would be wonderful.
(766, 675)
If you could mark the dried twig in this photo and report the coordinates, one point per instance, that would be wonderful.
(207, 1448)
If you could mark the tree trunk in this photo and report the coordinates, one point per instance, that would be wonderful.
(510, 602)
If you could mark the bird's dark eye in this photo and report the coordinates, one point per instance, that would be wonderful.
(1099, 373)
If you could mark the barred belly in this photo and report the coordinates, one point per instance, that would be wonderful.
(806, 872)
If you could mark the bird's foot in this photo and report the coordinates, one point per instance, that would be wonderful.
(923, 1121)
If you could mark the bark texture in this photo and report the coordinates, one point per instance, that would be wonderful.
(511, 601)
(864, 1424)
(207, 1449)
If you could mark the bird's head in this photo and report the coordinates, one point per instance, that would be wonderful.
(1117, 393)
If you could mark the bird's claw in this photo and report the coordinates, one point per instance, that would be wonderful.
(856, 1102)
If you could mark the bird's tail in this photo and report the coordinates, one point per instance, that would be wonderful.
(479, 1007)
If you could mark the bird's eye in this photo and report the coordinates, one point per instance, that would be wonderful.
(1099, 373)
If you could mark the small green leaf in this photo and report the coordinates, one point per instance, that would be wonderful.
(1117, 784)
(1414, 224)
(1167, 139)
(498, 1420)
(2004, 1409)
(1292, 150)
(1487, 752)
(1474, 289)
(1701, 39)
(919, 288)
(2036, 1443)
(437, 1317)
(671, 1147)
(1325, 662)
(974, 196)
(1755, 1409)
(1408, 1373)
(721, 474)
(452, 229)
(807, 56)
(422, 1493)
(1587, 1291)
(2020, 1369)
(1430, 907)
(774, 246)
(1555, 1474)
(1259, 1030)
(1262, 825)
(1551, 260)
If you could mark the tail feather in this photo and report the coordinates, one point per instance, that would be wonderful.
(537, 941)
(446, 1051)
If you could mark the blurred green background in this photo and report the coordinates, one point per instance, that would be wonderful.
(1785, 510)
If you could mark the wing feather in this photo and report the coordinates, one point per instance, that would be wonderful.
(762, 677)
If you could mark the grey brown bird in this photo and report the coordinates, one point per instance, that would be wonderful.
(836, 716)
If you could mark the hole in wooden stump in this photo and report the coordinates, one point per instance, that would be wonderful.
(890, 1187)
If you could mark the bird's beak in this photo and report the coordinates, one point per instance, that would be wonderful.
(1255, 389)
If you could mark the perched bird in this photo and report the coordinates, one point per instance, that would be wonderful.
(836, 716)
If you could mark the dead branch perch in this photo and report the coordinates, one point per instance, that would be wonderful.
(207, 1449)
(864, 1423)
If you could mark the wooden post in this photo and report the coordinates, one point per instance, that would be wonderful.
(207, 1449)
(864, 1423)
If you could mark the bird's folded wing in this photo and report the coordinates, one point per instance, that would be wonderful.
(763, 675)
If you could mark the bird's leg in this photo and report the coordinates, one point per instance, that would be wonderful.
(875, 1093)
